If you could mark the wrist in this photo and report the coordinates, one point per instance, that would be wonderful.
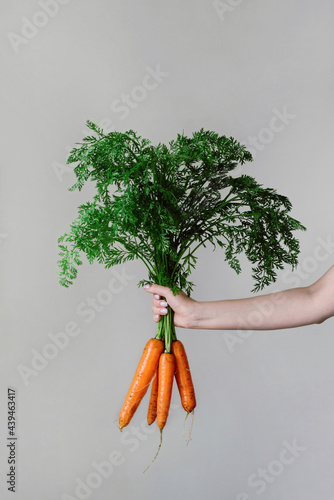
(210, 315)
(195, 315)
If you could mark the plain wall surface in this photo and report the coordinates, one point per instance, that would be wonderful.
(263, 426)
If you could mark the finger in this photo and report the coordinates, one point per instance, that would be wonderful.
(159, 310)
(157, 290)
(159, 302)
(156, 318)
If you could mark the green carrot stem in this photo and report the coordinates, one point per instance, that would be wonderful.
(166, 329)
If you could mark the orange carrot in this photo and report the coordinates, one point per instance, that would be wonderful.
(141, 380)
(183, 377)
(165, 385)
(152, 407)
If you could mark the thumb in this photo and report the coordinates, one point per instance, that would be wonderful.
(163, 291)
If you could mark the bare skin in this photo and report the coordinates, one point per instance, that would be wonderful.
(286, 309)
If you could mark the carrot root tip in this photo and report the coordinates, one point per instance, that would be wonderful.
(187, 440)
(157, 453)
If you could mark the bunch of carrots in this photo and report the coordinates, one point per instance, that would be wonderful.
(159, 364)
(167, 202)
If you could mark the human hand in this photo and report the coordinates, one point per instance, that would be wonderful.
(183, 306)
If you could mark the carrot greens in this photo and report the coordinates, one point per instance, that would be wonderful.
(160, 203)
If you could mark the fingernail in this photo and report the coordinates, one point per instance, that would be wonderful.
(163, 303)
(163, 311)
(146, 286)
(157, 296)
(156, 316)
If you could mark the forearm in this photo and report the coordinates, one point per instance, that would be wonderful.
(286, 309)
(274, 311)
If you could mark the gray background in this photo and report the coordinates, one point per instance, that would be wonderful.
(227, 67)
